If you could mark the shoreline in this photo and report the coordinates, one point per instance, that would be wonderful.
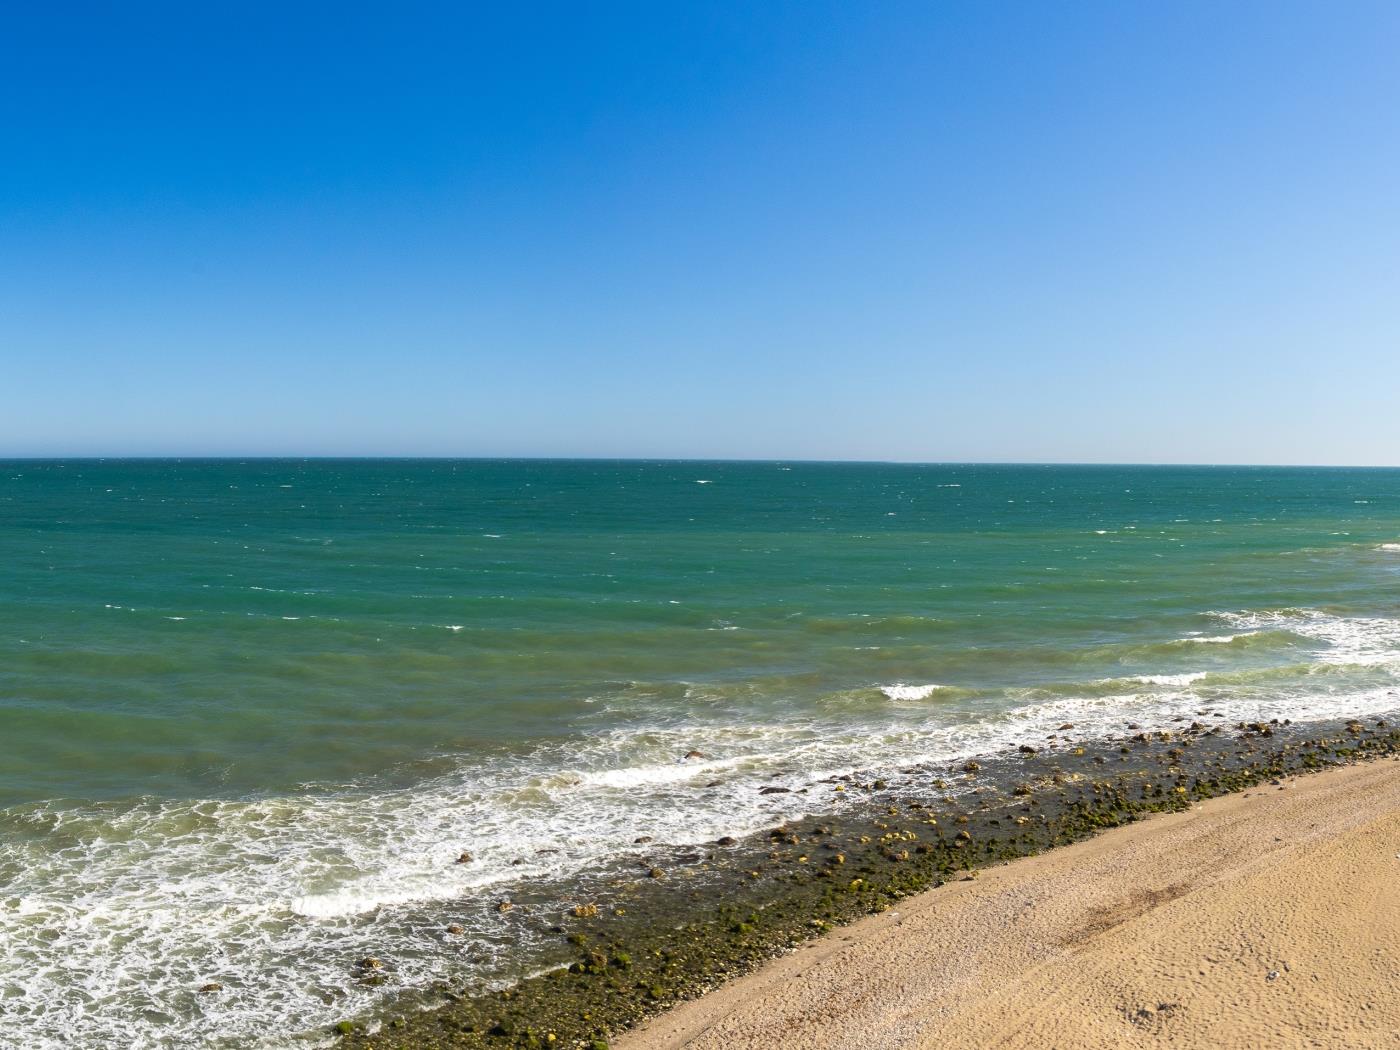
(643, 943)
(1254, 919)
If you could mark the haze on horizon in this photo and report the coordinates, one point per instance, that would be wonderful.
(954, 232)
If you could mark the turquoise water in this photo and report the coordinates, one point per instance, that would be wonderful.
(251, 711)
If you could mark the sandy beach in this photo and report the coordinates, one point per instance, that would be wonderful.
(1268, 918)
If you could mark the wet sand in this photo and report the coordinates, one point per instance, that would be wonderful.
(1268, 918)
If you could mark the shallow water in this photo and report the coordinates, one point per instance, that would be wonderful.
(252, 712)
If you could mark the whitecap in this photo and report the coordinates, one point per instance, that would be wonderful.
(900, 691)
(1161, 679)
(1366, 640)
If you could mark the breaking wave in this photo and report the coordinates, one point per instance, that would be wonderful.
(114, 915)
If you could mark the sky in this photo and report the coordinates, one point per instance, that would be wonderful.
(934, 231)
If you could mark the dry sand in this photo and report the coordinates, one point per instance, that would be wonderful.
(1264, 920)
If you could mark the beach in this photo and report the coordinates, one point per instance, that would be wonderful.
(714, 918)
(1265, 918)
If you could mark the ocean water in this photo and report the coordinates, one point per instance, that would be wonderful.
(251, 712)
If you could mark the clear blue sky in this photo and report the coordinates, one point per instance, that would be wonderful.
(933, 231)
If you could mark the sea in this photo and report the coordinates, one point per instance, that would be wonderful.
(252, 712)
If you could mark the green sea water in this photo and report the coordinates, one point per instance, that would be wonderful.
(250, 711)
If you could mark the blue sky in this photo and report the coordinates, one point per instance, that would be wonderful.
(1146, 232)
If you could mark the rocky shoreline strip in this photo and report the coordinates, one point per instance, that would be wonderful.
(667, 926)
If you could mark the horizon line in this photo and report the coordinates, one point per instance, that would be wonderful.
(293, 457)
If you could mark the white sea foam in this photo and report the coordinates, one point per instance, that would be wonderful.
(335, 905)
(1392, 548)
(275, 899)
(630, 777)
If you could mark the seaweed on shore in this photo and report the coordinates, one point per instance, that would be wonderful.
(666, 936)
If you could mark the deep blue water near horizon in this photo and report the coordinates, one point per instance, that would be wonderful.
(251, 709)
